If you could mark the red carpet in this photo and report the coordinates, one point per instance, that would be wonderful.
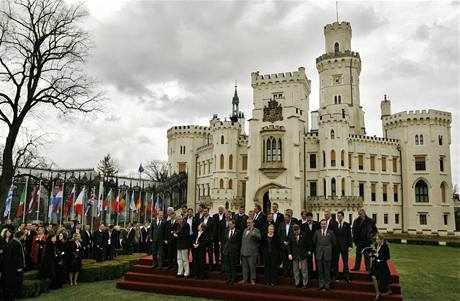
(143, 278)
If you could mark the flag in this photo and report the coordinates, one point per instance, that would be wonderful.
(79, 201)
(122, 203)
(22, 200)
(107, 200)
(138, 201)
(57, 200)
(50, 207)
(99, 204)
(8, 201)
(132, 205)
(34, 199)
(89, 203)
(151, 205)
(69, 202)
(115, 204)
(141, 168)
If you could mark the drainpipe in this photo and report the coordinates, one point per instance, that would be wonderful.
(402, 190)
(304, 172)
(196, 176)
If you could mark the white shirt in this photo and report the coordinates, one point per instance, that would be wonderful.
(190, 222)
(287, 229)
(221, 216)
(230, 233)
(275, 215)
(205, 220)
(198, 237)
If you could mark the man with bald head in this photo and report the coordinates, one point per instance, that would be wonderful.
(364, 230)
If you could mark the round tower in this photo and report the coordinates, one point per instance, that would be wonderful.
(337, 37)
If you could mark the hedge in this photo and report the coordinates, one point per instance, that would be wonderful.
(91, 271)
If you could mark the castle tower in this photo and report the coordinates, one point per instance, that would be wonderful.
(235, 106)
(385, 109)
(339, 70)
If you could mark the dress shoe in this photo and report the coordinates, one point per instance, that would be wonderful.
(386, 293)
(304, 287)
(323, 289)
(253, 282)
(241, 282)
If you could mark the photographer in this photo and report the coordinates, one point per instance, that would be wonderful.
(379, 271)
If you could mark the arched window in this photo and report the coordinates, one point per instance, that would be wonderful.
(280, 153)
(199, 190)
(274, 149)
(335, 99)
(421, 139)
(222, 161)
(222, 140)
(336, 47)
(342, 158)
(333, 158)
(230, 162)
(221, 184)
(332, 134)
(343, 186)
(324, 159)
(421, 192)
(443, 192)
(230, 184)
(209, 190)
(333, 187)
(416, 139)
(324, 187)
(184, 149)
(340, 98)
(269, 150)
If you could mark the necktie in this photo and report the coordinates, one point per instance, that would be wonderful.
(230, 234)
(324, 233)
(340, 227)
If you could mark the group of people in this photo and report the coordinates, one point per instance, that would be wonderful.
(274, 240)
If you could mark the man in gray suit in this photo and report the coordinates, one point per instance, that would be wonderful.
(156, 236)
(324, 240)
(249, 249)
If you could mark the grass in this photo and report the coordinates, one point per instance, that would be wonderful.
(427, 273)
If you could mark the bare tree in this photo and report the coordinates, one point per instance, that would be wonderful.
(43, 50)
(27, 153)
(107, 167)
(157, 170)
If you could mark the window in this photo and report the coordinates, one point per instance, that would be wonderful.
(230, 184)
(312, 160)
(222, 165)
(209, 189)
(335, 99)
(199, 169)
(245, 163)
(230, 162)
(395, 164)
(340, 98)
(336, 47)
(243, 189)
(440, 139)
(333, 158)
(280, 151)
(421, 192)
(420, 163)
(350, 218)
(384, 164)
(313, 189)
(443, 192)
(324, 159)
(421, 139)
(373, 192)
(222, 140)
(343, 186)
(343, 113)
(360, 162)
(372, 163)
(445, 219)
(273, 152)
(385, 218)
(182, 167)
(397, 219)
(342, 158)
(332, 134)
(361, 190)
(395, 193)
(416, 139)
(269, 150)
(384, 192)
(441, 164)
(423, 219)
(209, 167)
(333, 187)
(221, 184)
(374, 217)
(324, 187)
(350, 160)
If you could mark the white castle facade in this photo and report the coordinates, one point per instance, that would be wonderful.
(402, 179)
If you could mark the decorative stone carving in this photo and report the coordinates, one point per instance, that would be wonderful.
(273, 112)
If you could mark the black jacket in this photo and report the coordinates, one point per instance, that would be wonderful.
(211, 227)
(157, 232)
(240, 221)
(343, 237)
(271, 247)
(364, 231)
(231, 245)
(183, 237)
(299, 249)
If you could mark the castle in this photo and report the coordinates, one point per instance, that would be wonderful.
(403, 179)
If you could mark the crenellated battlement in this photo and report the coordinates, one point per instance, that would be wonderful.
(225, 125)
(373, 139)
(334, 57)
(418, 116)
(344, 25)
(280, 78)
(188, 130)
(273, 128)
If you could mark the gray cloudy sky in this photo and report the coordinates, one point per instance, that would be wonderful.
(170, 63)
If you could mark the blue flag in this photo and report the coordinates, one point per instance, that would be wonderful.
(141, 168)
(8, 201)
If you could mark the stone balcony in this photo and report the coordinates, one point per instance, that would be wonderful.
(351, 203)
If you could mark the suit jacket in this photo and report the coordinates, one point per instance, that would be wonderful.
(98, 240)
(198, 216)
(130, 237)
(223, 227)
(240, 221)
(183, 237)
(299, 249)
(156, 232)
(260, 221)
(231, 245)
(195, 223)
(211, 227)
(324, 245)
(220, 226)
(305, 228)
(279, 218)
(333, 225)
(343, 236)
(271, 247)
(87, 239)
(203, 241)
(364, 231)
(250, 243)
(282, 232)
(167, 231)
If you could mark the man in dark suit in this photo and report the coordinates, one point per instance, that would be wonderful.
(324, 240)
(130, 238)
(344, 245)
(192, 222)
(278, 217)
(110, 243)
(308, 226)
(284, 233)
(199, 214)
(230, 250)
(293, 219)
(259, 217)
(240, 219)
(99, 247)
(219, 219)
(364, 230)
(211, 229)
(87, 242)
(269, 222)
(169, 240)
(156, 237)
(298, 250)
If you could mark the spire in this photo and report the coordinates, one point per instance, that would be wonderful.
(236, 100)
(235, 104)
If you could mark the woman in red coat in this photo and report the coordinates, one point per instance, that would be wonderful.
(38, 246)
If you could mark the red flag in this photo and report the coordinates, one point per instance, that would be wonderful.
(115, 204)
(69, 202)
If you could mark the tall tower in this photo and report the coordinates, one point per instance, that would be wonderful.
(339, 70)
(235, 106)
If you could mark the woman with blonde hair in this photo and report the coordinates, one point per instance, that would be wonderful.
(75, 255)
(379, 270)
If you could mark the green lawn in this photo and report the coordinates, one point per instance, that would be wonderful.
(426, 272)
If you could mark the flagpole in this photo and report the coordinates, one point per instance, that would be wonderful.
(118, 207)
(39, 194)
(126, 209)
(110, 210)
(25, 202)
(9, 212)
(62, 201)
